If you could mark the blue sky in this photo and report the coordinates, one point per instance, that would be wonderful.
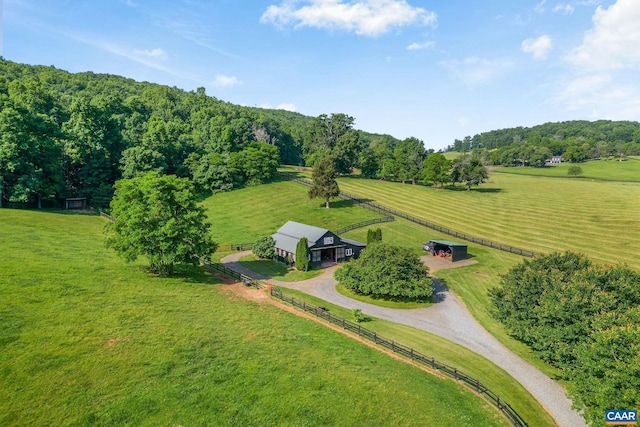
(437, 70)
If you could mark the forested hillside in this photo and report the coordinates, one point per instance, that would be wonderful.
(576, 141)
(74, 135)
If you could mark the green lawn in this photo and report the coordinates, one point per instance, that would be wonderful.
(276, 270)
(610, 170)
(86, 339)
(452, 354)
(254, 212)
(542, 214)
(383, 302)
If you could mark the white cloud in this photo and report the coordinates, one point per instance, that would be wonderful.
(226, 81)
(364, 17)
(567, 9)
(540, 7)
(153, 53)
(473, 71)
(537, 47)
(425, 45)
(604, 78)
(286, 106)
(613, 42)
(283, 106)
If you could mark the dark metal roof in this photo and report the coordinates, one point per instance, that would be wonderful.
(447, 243)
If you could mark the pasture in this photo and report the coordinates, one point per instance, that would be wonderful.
(86, 339)
(538, 213)
(608, 170)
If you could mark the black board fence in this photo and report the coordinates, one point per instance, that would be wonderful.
(229, 247)
(364, 224)
(388, 211)
(408, 352)
(248, 281)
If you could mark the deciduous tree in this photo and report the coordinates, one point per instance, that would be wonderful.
(324, 184)
(158, 217)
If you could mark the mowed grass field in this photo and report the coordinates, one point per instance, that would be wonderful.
(86, 339)
(476, 279)
(254, 212)
(600, 219)
(609, 170)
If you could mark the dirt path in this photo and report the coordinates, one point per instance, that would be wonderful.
(450, 319)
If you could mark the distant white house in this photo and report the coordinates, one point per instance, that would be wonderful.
(555, 160)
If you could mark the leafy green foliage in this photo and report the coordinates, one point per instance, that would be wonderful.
(324, 184)
(387, 271)
(607, 368)
(158, 217)
(581, 317)
(468, 170)
(374, 236)
(437, 169)
(574, 171)
(302, 254)
(265, 248)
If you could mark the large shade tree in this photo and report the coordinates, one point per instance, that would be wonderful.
(158, 217)
(324, 184)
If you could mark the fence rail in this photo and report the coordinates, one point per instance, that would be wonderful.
(408, 352)
(229, 247)
(248, 281)
(388, 211)
(364, 224)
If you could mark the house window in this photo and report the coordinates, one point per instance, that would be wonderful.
(348, 252)
(315, 256)
(328, 240)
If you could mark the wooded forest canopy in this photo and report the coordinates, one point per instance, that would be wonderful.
(575, 141)
(74, 135)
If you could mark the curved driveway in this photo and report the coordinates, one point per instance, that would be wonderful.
(450, 319)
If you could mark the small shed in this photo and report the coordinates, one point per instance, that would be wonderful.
(446, 249)
(76, 203)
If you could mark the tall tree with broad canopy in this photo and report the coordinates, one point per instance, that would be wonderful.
(468, 170)
(334, 135)
(324, 184)
(436, 169)
(158, 217)
(387, 271)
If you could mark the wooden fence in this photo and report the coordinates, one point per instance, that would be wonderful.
(248, 281)
(387, 211)
(229, 247)
(408, 352)
(364, 224)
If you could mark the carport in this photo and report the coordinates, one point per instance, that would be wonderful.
(446, 249)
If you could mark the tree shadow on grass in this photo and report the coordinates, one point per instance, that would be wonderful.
(477, 190)
(189, 274)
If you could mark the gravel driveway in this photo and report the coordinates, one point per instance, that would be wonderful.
(450, 319)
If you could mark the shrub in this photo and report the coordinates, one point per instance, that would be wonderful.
(387, 271)
(265, 248)
(302, 255)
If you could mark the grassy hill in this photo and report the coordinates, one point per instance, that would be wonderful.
(607, 170)
(542, 214)
(88, 340)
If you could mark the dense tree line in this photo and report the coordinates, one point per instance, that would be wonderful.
(582, 318)
(74, 135)
(576, 141)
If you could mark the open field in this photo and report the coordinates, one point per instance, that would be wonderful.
(254, 212)
(480, 276)
(537, 213)
(609, 170)
(454, 355)
(88, 340)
